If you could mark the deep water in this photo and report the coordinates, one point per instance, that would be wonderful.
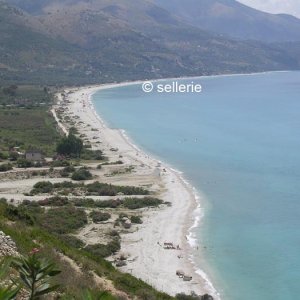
(238, 142)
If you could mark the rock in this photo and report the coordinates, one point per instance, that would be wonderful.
(7, 246)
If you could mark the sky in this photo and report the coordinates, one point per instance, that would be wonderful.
(275, 6)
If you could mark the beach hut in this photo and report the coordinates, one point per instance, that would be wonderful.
(34, 155)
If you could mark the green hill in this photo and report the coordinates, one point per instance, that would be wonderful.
(76, 42)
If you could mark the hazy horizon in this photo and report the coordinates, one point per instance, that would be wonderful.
(291, 7)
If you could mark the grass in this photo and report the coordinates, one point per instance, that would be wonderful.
(25, 96)
(27, 128)
(25, 121)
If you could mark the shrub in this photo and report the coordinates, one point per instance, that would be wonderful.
(84, 202)
(118, 162)
(98, 216)
(82, 174)
(65, 172)
(64, 185)
(108, 203)
(136, 203)
(193, 296)
(64, 220)
(13, 156)
(72, 241)
(18, 213)
(42, 187)
(69, 169)
(105, 189)
(36, 274)
(136, 220)
(54, 201)
(24, 163)
(104, 250)
(3, 155)
(88, 154)
(5, 167)
(60, 163)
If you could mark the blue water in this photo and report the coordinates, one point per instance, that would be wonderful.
(239, 143)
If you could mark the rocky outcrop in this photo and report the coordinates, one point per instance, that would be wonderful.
(7, 246)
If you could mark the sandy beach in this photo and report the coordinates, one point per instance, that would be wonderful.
(148, 259)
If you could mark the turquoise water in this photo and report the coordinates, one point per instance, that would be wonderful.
(239, 143)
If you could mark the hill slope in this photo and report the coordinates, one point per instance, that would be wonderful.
(73, 41)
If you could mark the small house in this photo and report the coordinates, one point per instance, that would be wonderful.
(34, 155)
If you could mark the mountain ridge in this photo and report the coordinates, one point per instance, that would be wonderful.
(113, 40)
(234, 19)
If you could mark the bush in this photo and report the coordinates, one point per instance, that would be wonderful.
(13, 156)
(42, 187)
(54, 201)
(104, 250)
(118, 162)
(5, 167)
(193, 296)
(82, 174)
(136, 203)
(65, 185)
(92, 155)
(3, 155)
(60, 163)
(72, 241)
(69, 169)
(18, 213)
(64, 220)
(84, 202)
(98, 216)
(65, 172)
(24, 163)
(105, 189)
(136, 220)
(108, 203)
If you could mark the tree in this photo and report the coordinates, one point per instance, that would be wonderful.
(8, 292)
(35, 274)
(70, 146)
(11, 90)
(24, 163)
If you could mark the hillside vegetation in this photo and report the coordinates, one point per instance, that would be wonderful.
(75, 42)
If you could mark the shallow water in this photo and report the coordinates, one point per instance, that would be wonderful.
(238, 142)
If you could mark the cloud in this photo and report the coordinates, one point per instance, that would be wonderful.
(276, 6)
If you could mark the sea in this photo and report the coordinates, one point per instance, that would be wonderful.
(238, 143)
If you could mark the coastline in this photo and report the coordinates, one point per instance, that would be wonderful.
(151, 262)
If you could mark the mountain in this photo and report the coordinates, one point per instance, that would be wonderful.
(73, 41)
(234, 19)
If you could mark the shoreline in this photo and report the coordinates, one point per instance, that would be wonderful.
(176, 186)
(195, 211)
